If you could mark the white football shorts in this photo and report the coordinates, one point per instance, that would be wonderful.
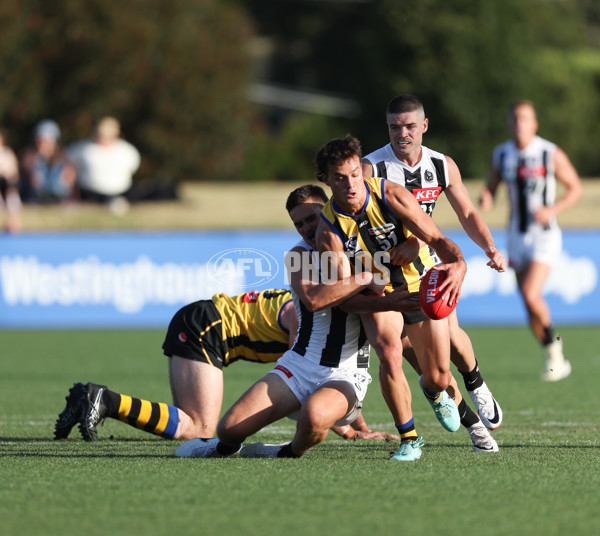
(536, 244)
(304, 377)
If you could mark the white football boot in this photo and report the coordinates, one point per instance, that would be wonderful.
(556, 366)
(482, 439)
(201, 448)
(488, 409)
(261, 450)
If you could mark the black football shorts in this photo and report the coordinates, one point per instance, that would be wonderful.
(196, 333)
(414, 317)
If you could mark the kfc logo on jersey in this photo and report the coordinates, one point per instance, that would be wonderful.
(531, 172)
(427, 194)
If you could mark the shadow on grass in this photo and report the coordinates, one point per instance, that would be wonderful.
(31, 447)
(26, 447)
(502, 446)
(76, 440)
(84, 455)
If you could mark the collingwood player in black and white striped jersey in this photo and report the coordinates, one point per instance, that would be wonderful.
(427, 174)
(329, 337)
(323, 379)
(531, 166)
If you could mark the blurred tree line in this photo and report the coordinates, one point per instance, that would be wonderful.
(467, 60)
(249, 89)
(173, 72)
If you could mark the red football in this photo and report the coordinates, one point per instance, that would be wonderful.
(429, 298)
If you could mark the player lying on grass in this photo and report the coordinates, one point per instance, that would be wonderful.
(324, 377)
(203, 337)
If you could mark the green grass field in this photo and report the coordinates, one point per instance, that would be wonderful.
(545, 480)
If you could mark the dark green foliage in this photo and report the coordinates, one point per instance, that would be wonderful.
(288, 154)
(466, 59)
(177, 74)
(174, 73)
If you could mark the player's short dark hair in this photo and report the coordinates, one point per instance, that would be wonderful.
(336, 151)
(403, 104)
(303, 193)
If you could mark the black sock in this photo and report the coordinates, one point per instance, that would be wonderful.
(226, 450)
(287, 452)
(472, 379)
(467, 416)
(112, 401)
(548, 335)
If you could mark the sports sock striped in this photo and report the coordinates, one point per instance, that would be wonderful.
(407, 431)
(155, 417)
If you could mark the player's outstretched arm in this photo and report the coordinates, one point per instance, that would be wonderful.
(325, 284)
(408, 210)
(470, 218)
(398, 300)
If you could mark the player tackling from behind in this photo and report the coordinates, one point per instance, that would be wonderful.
(203, 339)
(322, 380)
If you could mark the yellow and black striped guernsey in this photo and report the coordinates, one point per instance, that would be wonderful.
(376, 229)
(251, 326)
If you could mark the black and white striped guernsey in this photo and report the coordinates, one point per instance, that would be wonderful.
(530, 180)
(426, 180)
(331, 337)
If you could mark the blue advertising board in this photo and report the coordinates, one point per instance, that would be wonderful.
(140, 279)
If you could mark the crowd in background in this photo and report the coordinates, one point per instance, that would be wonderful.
(98, 170)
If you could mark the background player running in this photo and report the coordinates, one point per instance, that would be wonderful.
(531, 167)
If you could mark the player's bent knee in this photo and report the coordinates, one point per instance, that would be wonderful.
(388, 353)
(531, 297)
(319, 419)
(439, 378)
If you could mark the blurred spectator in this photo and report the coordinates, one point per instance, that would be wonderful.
(105, 166)
(48, 176)
(10, 200)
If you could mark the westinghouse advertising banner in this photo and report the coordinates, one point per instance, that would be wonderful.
(139, 280)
